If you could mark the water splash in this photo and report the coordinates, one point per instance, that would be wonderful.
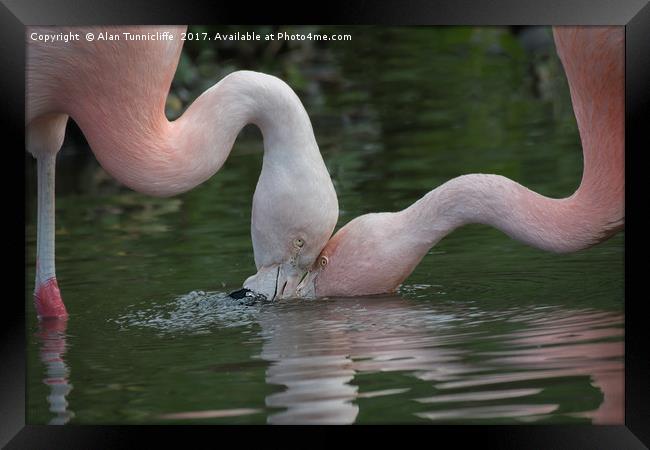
(197, 312)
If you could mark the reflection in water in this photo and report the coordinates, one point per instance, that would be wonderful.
(52, 339)
(334, 357)
(319, 390)
(317, 350)
(580, 343)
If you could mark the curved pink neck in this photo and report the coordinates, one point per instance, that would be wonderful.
(117, 91)
(593, 59)
(152, 155)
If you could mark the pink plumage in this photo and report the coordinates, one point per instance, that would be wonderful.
(375, 253)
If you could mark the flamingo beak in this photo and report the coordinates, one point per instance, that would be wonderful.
(307, 287)
(264, 282)
(275, 281)
(288, 281)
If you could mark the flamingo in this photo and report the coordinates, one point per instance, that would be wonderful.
(116, 91)
(376, 252)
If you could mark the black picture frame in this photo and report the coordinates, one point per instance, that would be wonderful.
(633, 14)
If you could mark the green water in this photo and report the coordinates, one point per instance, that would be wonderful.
(486, 330)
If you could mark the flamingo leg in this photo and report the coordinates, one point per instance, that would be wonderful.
(47, 297)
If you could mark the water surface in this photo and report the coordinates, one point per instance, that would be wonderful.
(486, 330)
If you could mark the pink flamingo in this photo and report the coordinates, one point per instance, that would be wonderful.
(116, 91)
(375, 253)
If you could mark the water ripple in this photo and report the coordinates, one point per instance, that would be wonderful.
(319, 353)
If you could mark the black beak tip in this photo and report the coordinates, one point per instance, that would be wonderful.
(244, 293)
(241, 293)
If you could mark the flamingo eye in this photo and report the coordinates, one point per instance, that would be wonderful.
(323, 261)
(298, 242)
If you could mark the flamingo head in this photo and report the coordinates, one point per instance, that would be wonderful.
(293, 218)
(372, 254)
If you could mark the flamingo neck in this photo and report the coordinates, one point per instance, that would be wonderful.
(593, 59)
(146, 152)
(594, 62)
(557, 225)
